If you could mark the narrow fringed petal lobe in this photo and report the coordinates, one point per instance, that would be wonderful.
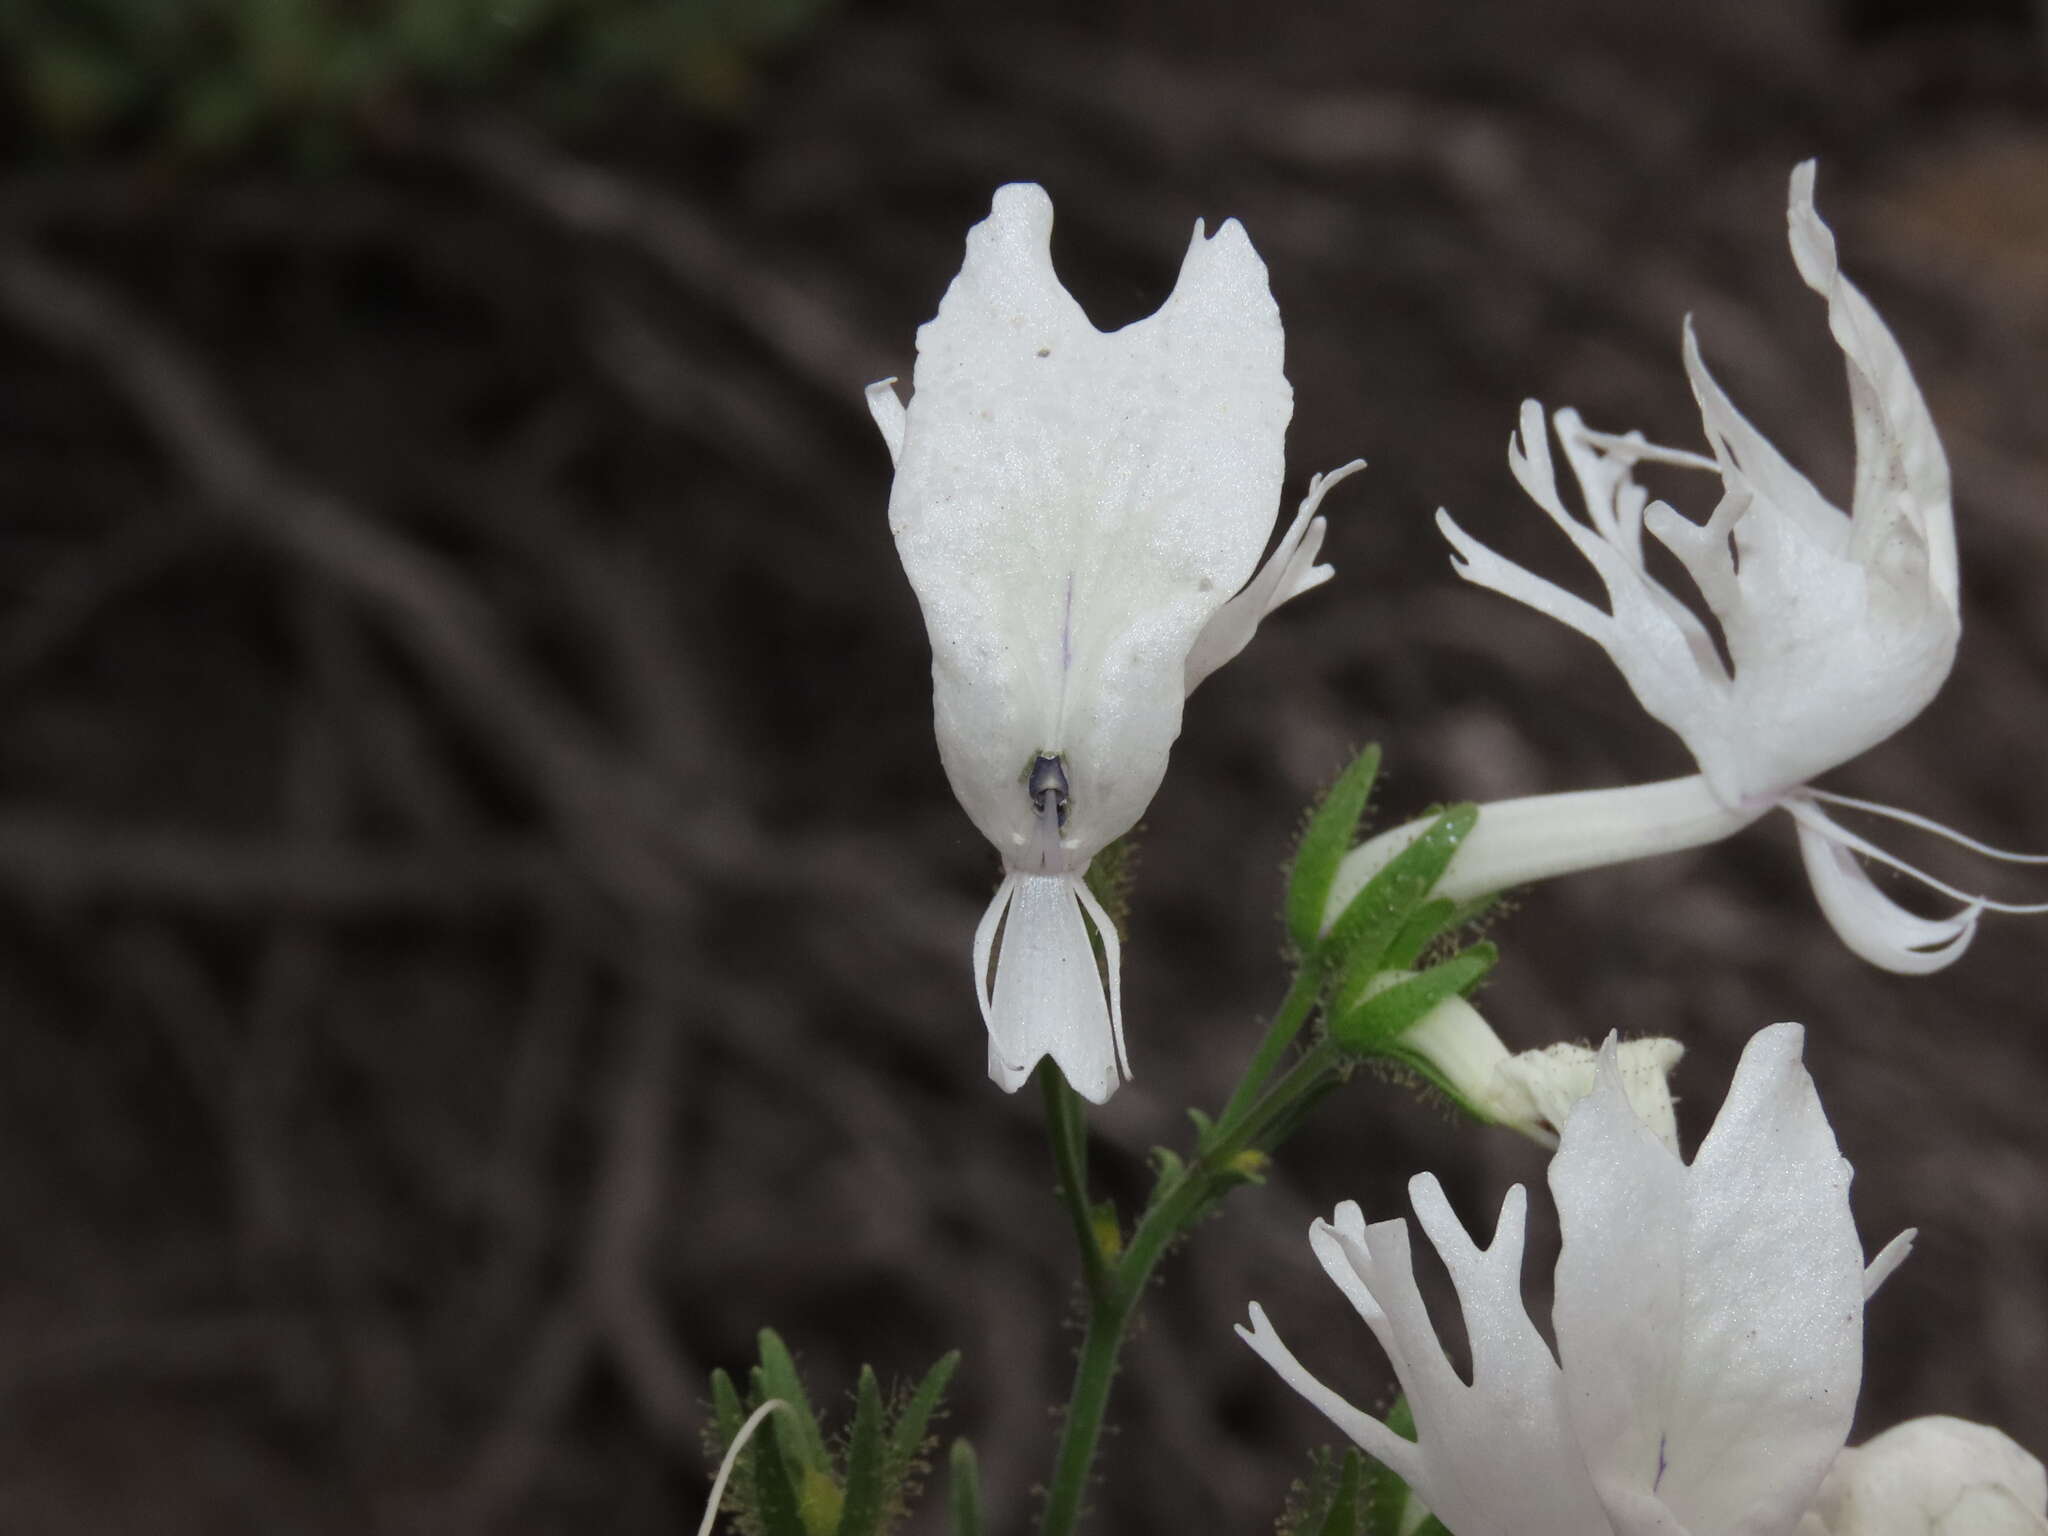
(1288, 572)
(1905, 525)
(1888, 1259)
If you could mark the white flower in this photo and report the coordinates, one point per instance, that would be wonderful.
(1075, 511)
(1839, 628)
(1535, 1091)
(1933, 1477)
(1532, 1092)
(1709, 1325)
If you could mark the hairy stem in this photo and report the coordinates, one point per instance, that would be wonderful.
(1181, 1198)
(1066, 1126)
(1294, 1010)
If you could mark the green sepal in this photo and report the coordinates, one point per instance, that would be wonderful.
(1376, 1025)
(906, 1439)
(778, 1371)
(1168, 1164)
(866, 1454)
(1429, 920)
(1342, 1519)
(1325, 839)
(776, 1504)
(1386, 1496)
(963, 1496)
(727, 1410)
(1357, 944)
(1203, 1124)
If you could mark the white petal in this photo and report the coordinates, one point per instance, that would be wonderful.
(1496, 1456)
(1373, 1437)
(1936, 1477)
(1830, 656)
(1648, 634)
(1987, 1511)
(1875, 927)
(1072, 507)
(1620, 1311)
(1904, 524)
(1113, 957)
(1544, 1085)
(1838, 631)
(1772, 1324)
(1454, 1040)
(886, 406)
(1889, 1258)
(985, 944)
(1288, 572)
(1048, 993)
(1539, 837)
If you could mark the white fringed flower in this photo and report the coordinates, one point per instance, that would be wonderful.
(1077, 513)
(1839, 628)
(1933, 1477)
(1533, 1091)
(1709, 1323)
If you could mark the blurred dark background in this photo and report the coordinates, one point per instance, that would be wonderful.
(482, 925)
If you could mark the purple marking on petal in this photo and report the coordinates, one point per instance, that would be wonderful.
(1662, 1464)
(1067, 627)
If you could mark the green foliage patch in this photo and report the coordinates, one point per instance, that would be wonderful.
(205, 77)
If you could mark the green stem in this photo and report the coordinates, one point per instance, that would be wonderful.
(1294, 1012)
(1093, 1374)
(1179, 1201)
(1066, 1124)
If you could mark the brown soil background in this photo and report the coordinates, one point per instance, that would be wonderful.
(482, 925)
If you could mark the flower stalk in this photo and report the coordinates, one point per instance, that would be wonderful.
(1184, 1194)
(1384, 928)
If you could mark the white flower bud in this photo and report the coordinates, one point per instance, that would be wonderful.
(1935, 1476)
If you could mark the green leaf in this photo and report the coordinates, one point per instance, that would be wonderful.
(806, 1442)
(1357, 944)
(1386, 1496)
(775, 1490)
(866, 1449)
(964, 1496)
(1342, 1519)
(907, 1438)
(1377, 1024)
(1324, 841)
